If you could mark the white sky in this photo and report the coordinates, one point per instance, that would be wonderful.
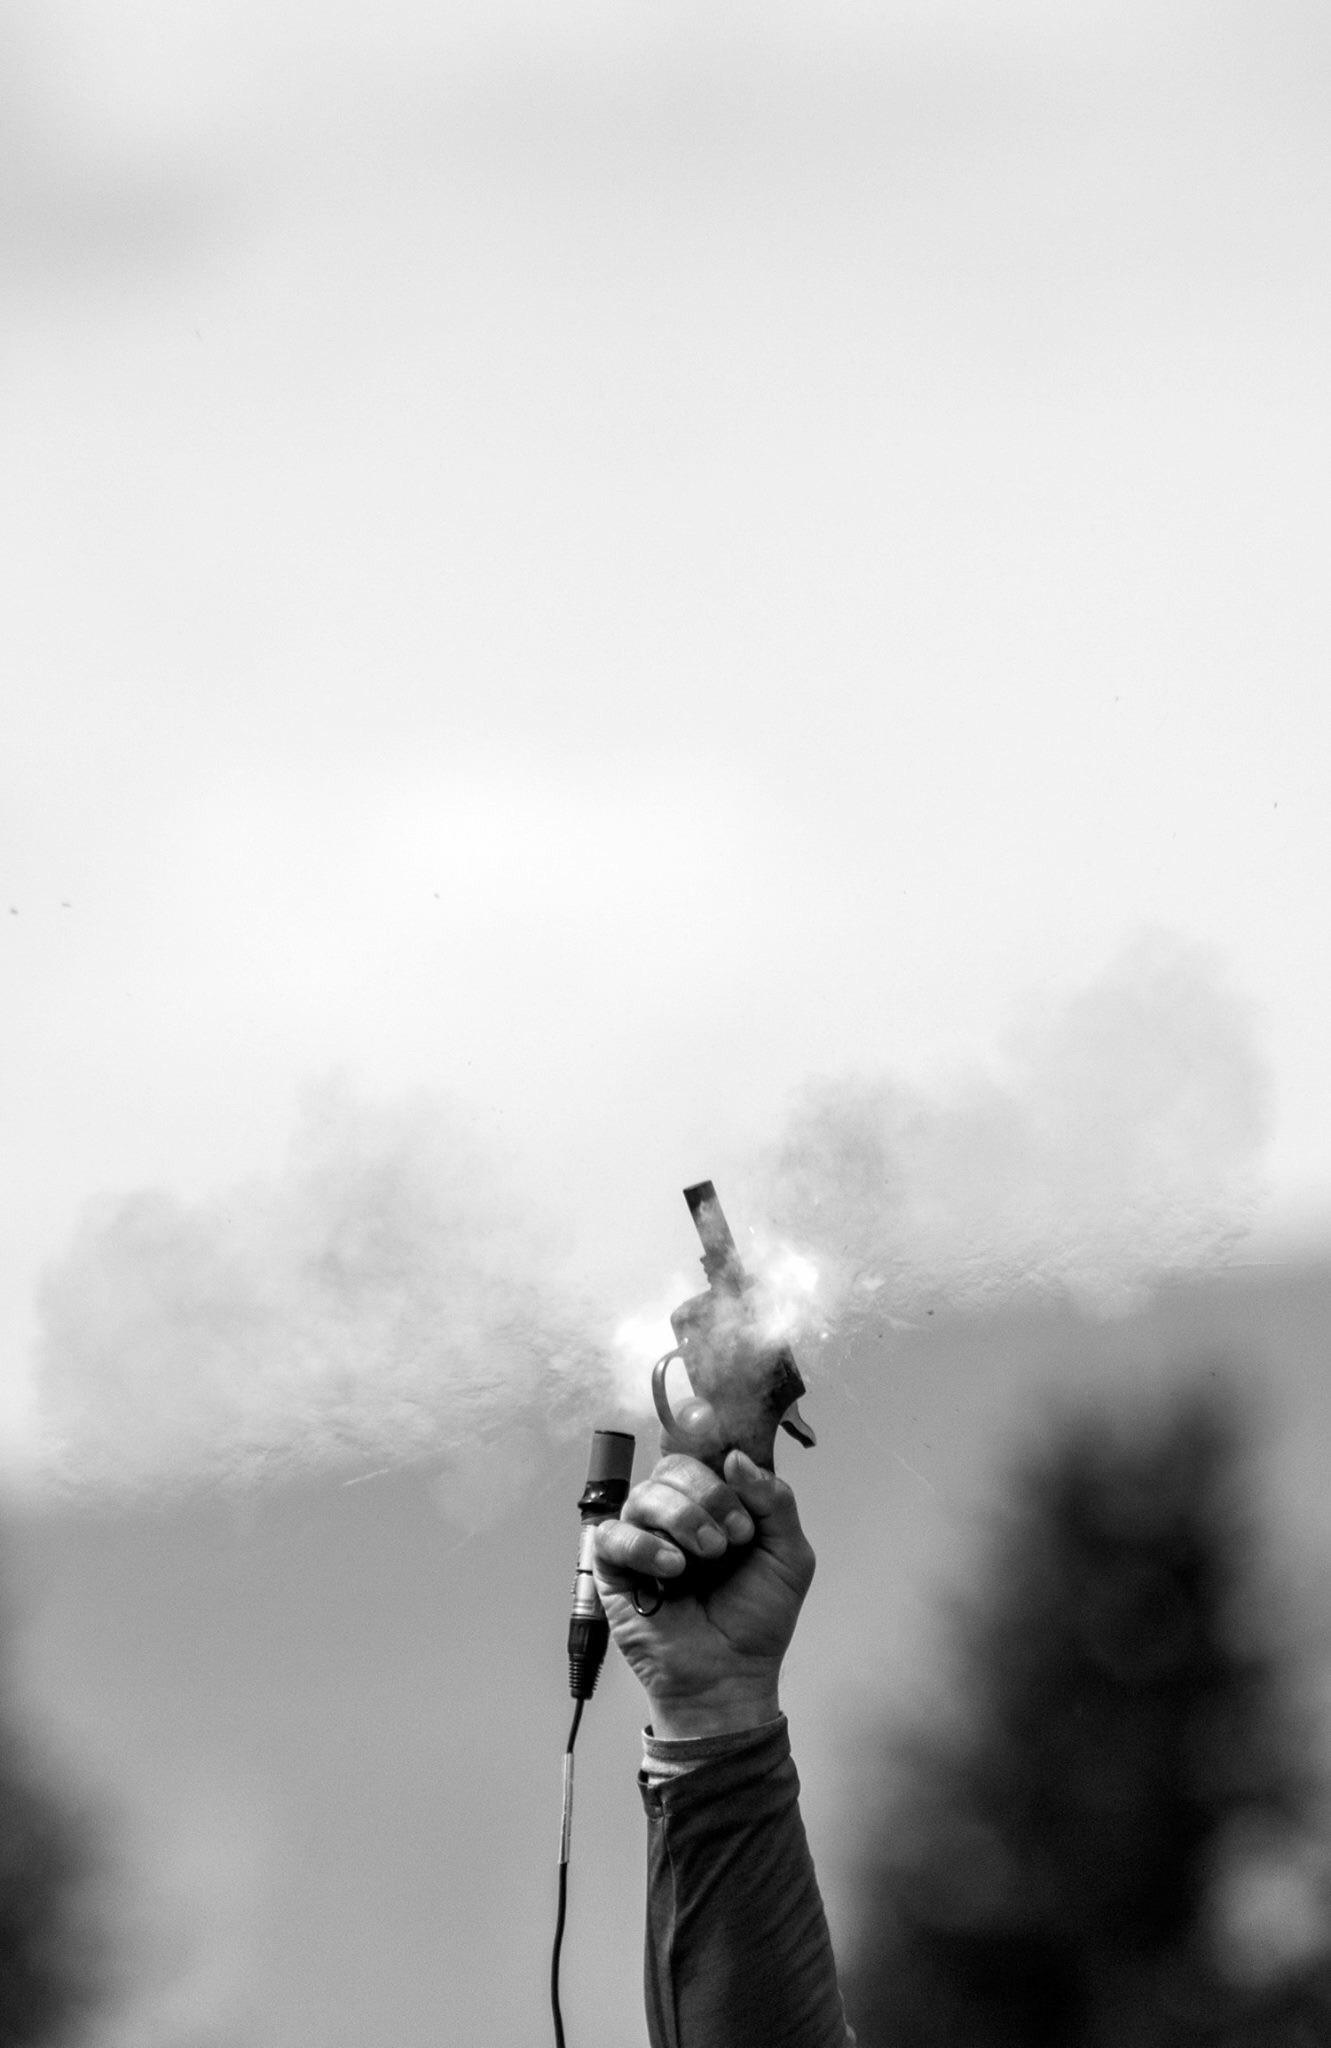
(606, 560)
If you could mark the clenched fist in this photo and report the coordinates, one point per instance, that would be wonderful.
(734, 1566)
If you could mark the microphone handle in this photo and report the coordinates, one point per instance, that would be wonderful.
(588, 1629)
(603, 1496)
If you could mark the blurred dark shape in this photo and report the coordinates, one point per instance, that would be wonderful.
(52, 1960)
(1045, 1865)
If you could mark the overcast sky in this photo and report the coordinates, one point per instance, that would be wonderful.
(600, 561)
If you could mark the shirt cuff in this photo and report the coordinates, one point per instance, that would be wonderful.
(664, 1759)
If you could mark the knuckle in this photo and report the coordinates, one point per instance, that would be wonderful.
(638, 1550)
(717, 1499)
(699, 1528)
(659, 1508)
(675, 1466)
(690, 1475)
(649, 1501)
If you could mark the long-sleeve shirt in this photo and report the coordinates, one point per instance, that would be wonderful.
(738, 1953)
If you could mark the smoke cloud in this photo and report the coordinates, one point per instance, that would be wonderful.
(379, 1300)
(1111, 1142)
(386, 1297)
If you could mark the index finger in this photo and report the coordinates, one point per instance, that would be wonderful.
(682, 1494)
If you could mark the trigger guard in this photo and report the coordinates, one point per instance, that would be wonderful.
(695, 1430)
(659, 1400)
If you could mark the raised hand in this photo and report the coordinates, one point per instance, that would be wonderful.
(709, 1654)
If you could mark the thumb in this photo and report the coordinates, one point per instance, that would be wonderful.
(771, 1503)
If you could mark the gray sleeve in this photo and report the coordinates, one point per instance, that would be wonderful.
(738, 1953)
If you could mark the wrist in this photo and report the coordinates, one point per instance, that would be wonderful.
(725, 1711)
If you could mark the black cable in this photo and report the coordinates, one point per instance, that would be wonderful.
(565, 1824)
(609, 1470)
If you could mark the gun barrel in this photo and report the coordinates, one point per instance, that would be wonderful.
(709, 1218)
(720, 1261)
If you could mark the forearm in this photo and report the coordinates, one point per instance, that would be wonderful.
(738, 1953)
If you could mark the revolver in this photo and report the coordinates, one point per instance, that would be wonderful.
(744, 1385)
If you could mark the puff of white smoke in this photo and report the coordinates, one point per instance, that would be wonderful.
(1113, 1142)
(785, 1304)
(639, 1339)
(378, 1300)
(385, 1297)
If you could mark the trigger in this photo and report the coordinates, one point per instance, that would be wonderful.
(793, 1421)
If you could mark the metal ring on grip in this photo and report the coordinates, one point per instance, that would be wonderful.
(648, 1612)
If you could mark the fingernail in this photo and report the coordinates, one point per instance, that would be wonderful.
(738, 1526)
(711, 1542)
(668, 1560)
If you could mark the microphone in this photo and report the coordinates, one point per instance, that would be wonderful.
(609, 1471)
